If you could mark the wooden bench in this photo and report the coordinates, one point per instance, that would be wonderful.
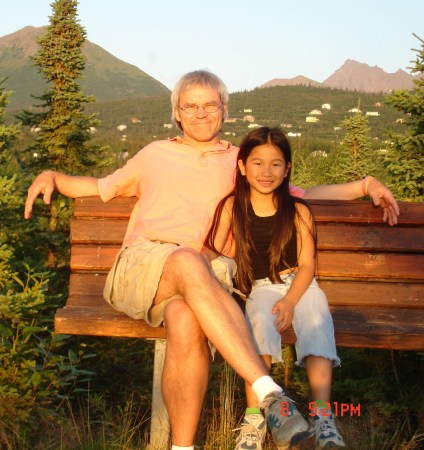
(373, 276)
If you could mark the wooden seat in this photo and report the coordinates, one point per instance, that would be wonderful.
(373, 275)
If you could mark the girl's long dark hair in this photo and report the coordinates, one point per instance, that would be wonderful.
(286, 213)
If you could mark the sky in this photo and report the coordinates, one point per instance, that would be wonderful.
(245, 42)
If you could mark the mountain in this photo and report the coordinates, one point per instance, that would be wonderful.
(354, 76)
(105, 77)
(296, 81)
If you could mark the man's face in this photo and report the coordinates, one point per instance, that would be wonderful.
(200, 127)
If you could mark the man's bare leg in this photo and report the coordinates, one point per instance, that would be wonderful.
(185, 373)
(221, 319)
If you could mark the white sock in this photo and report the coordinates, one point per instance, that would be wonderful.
(265, 385)
(176, 447)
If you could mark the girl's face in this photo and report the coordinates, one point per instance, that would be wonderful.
(265, 169)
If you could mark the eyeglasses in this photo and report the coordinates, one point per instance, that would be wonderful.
(208, 108)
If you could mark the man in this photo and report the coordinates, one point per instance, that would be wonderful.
(161, 273)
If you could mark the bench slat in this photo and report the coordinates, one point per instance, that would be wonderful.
(324, 210)
(359, 327)
(388, 266)
(330, 236)
(103, 322)
(86, 289)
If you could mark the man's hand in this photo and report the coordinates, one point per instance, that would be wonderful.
(44, 184)
(382, 196)
(284, 309)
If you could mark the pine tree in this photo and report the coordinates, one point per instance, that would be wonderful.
(405, 160)
(355, 157)
(62, 127)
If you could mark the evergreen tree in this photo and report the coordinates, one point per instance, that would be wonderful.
(355, 157)
(62, 127)
(405, 160)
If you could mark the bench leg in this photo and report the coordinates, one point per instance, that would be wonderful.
(159, 427)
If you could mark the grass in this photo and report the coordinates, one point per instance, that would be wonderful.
(93, 423)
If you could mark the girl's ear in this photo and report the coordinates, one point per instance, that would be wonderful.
(241, 167)
(288, 166)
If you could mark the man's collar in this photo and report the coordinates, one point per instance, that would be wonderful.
(221, 145)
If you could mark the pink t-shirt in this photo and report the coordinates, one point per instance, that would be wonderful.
(178, 188)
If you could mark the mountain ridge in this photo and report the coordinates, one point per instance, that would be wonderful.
(106, 77)
(354, 76)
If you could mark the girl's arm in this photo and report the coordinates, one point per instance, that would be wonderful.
(305, 273)
(222, 241)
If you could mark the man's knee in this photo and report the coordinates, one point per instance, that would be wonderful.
(182, 326)
(188, 262)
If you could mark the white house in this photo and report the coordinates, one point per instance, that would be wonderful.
(312, 119)
(121, 127)
(326, 106)
(315, 112)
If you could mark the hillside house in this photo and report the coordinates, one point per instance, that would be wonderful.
(372, 113)
(121, 127)
(249, 118)
(253, 125)
(291, 134)
(312, 119)
(321, 153)
(354, 110)
(247, 110)
(230, 120)
(168, 125)
(326, 106)
(315, 112)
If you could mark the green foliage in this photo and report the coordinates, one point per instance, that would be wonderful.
(8, 133)
(405, 159)
(37, 367)
(355, 157)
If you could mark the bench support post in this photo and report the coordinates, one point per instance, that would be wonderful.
(159, 427)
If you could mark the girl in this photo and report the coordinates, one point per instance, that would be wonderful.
(273, 236)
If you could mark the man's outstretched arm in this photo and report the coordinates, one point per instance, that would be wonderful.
(49, 181)
(380, 195)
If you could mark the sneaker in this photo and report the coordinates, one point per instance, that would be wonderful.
(326, 433)
(252, 433)
(285, 422)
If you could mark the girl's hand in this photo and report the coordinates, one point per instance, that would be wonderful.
(284, 309)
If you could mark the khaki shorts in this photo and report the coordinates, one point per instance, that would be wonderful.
(132, 283)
